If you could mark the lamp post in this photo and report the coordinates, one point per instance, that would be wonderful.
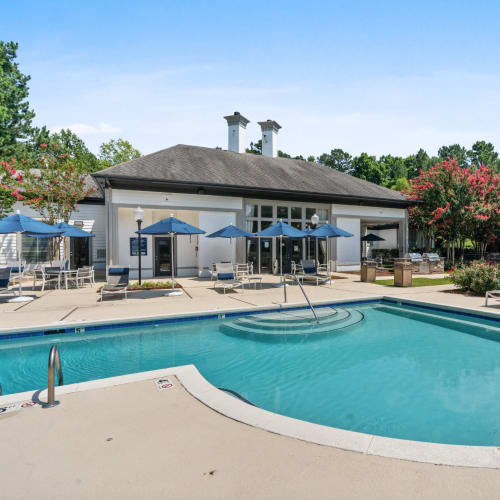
(314, 223)
(139, 217)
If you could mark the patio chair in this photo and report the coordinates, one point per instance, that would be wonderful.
(311, 273)
(117, 281)
(47, 275)
(85, 273)
(492, 294)
(4, 279)
(226, 276)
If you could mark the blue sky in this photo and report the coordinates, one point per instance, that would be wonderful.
(374, 76)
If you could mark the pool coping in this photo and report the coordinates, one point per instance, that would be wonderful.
(223, 403)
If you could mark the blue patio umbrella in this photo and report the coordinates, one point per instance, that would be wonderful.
(21, 224)
(72, 231)
(329, 231)
(171, 227)
(282, 229)
(230, 231)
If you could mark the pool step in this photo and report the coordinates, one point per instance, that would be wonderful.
(253, 326)
(489, 332)
(293, 323)
(299, 315)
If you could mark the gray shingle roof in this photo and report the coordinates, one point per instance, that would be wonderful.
(208, 166)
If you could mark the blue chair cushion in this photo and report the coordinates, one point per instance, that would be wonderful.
(225, 276)
(16, 269)
(4, 283)
(118, 271)
(310, 270)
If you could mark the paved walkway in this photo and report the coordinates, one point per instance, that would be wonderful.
(136, 442)
(56, 306)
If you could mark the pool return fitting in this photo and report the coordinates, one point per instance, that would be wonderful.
(54, 364)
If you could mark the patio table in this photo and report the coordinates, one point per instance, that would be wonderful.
(64, 273)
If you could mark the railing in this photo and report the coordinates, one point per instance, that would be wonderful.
(304, 293)
(54, 364)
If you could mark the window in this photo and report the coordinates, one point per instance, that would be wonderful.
(309, 213)
(252, 226)
(296, 212)
(323, 214)
(264, 224)
(297, 225)
(266, 211)
(252, 210)
(282, 213)
(34, 249)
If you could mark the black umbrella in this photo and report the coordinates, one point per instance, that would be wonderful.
(372, 237)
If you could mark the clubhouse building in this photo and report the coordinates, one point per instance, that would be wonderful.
(211, 188)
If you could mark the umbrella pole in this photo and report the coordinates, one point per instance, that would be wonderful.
(281, 258)
(173, 260)
(20, 297)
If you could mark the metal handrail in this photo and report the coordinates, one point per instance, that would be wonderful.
(307, 298)
(54, 364)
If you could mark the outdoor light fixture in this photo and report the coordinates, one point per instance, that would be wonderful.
(139, 217)
(315, 219)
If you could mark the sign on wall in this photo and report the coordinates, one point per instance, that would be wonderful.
(134, 242)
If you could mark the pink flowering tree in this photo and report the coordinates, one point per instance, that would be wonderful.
(456, 204)
(53, 186)
(11, 181)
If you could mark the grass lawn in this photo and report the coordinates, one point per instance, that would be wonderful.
(418, 282)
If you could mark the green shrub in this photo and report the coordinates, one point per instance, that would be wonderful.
(477, 277)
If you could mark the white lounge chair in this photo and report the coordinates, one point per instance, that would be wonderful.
(492, 294)
(310, 273)
(117, 280)
(226, 277)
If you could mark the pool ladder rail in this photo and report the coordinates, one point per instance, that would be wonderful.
(54, 364)
(305, 295)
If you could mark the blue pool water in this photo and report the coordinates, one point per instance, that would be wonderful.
(391, 370)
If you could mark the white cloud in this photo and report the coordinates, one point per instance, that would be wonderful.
(86, 129)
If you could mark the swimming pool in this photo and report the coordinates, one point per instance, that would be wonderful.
(379, 368)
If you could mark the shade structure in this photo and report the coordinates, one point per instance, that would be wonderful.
(282, 230)
(171, 227)
(21, 224)
(329, 231)
(372, 237)
(230, 231)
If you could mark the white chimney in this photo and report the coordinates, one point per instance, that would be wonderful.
(269, 137)
(236, 127)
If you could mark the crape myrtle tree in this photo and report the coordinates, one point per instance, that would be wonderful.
(53, 186)
(11, 181)
(456, 204)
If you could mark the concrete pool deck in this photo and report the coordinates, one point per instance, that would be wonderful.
(52, 307)
(165, 444)
(136, 441)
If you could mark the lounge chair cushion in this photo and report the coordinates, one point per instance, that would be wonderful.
(225, 276)
(118, 271)
(310, 270)
(4, 283)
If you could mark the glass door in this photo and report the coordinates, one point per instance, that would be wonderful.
(253, 253)
(79, 252)
(266, 255)
(291, 252)
(163, 256)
